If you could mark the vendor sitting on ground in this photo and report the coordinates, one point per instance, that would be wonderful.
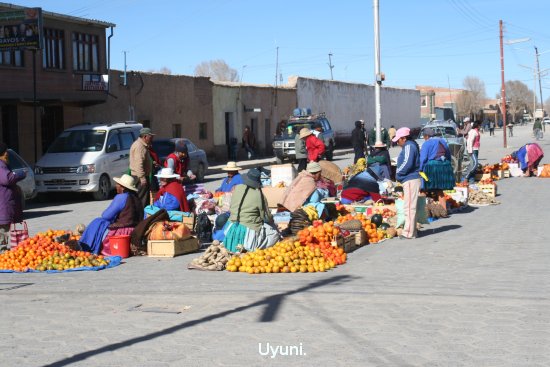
(363, 186)
(306, 189)
(233, 178)
(529, 157)
(250, 223)
(435, 162)
(379, 156)
(120, 218)
(171, 195)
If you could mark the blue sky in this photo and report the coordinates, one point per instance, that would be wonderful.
(429, 42)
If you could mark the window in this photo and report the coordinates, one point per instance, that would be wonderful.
(11, 58)
(126, 139)
(113, 143)
(15, 162)
(190, 146)
(423, 101)
(53, 56)
(203, 131)
(85, 52)
(176, 130)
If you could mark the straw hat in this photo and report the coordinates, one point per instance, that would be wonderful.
(167, 173)
(126, 181)
(379, 144)
(305, 132)
(231, 166)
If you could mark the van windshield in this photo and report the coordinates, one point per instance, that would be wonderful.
(79, 141)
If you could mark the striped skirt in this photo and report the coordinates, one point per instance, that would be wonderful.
(440, 175)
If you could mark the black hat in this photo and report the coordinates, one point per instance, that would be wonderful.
(3, 148)
(180, 146)
(253, 178)
(358, 123)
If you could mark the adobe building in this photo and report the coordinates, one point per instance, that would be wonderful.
(70, 70)
(431, 97)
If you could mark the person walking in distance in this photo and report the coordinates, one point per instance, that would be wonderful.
(10, 197)
(472, 147)
(491, 128)
(358, 141)
(249, 142)
(408, 173)
(141, 164)
(510, 127)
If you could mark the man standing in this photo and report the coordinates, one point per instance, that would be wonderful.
(141, 164)
(472, 146)
(510, 127)
(249, 142)
(301, 151)
(491, 128)
(358, 141)
(408, 173)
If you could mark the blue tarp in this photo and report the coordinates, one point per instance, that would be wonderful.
(113, 261)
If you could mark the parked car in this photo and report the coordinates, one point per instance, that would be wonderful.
(546, 120)
(283, 144)
(85, 158)
(457, 144)
(198, 163)
(27, 185)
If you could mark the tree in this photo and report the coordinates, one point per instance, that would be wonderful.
(547, 105)
(472, 100)
(519, 97)
(217, 70)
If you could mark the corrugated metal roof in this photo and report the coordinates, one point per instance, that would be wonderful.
(67, 18)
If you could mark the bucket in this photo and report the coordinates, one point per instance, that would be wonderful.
(120, 245)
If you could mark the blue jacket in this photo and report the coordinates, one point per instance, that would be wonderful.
(429, 151)
(227, 187)
(408, 162)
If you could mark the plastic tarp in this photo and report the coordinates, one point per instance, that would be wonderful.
(363, 181)
(113, 261)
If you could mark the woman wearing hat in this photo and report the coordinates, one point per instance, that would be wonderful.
(250, 224)
(305, 189)
(171, 195)
(408, 173)
(178, 161)
(380, 157)
(233, 178)
(314, 146)
(120, 218)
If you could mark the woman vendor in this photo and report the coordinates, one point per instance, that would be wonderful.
(529, 157)
(363, 186)
(306, 189)
(435, 162)
(120, 218)
(250, 223)
(233, 178)
(171, 195)
(380, 157)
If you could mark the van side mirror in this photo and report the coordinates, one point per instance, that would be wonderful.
(112, 148)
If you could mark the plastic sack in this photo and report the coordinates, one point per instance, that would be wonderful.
(421, 214)
(169, 231)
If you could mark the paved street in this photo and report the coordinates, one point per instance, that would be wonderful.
(473, 290)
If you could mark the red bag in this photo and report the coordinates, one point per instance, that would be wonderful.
(18, 235)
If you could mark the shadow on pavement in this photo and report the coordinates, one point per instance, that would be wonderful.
(428, 232)
(271, 303)
(43, 213)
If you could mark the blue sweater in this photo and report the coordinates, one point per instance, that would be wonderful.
(430, 149)
(408, 162)
(227, 187)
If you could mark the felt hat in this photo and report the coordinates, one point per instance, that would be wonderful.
(167, 173)
(305, 132)
(145, 131)
(231, 166)
(313, 167)
(126, 181)
(401, 133)
(253, 178)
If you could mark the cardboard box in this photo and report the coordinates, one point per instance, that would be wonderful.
(172, 248)
(274, 195)
(282, 173)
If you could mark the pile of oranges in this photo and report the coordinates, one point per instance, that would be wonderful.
(42, 253)
(288, 256)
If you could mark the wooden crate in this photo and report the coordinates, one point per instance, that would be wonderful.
(347, 243)
(506, 173)
(172, 248)
(361, 237)
(490, 189)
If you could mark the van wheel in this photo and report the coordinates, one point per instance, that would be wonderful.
(104, 189)
(200, 173)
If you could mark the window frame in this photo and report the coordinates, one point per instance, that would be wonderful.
(85, 48)
(16, 58)
(203, 134)
(53, 55)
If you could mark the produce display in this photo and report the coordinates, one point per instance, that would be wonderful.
(215, 257)
(480, 198)
(42, 253)
(311, 212)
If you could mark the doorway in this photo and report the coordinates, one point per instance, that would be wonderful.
(267, 138)
(10, 127)
(52, 125)
(230, 141)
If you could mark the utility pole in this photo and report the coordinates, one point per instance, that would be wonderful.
(538, 72)
(503, 91)
(124, 80)
(276, 74)
(378, 76)
(330, 65)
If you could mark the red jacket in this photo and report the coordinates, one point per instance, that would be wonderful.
(174, 188)
(315, 148)
(180, 166)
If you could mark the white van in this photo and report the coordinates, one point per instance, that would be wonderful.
(86, 157)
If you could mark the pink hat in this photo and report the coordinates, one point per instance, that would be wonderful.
(401, 133)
